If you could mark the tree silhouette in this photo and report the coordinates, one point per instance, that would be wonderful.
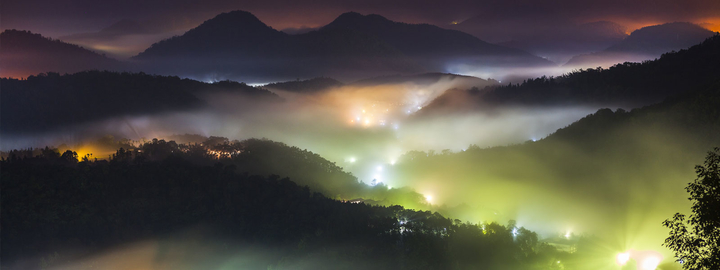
(699, 246)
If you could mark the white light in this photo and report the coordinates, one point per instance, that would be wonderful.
(352, 160)
(567, 235)
(392, 162)
(515, 232)
(622, 258)
(650, 263)
(428, 198)
(379, 168)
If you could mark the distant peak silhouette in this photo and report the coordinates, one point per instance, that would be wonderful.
(350, 19)
(237, 20)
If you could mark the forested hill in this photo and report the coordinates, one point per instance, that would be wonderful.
(60, 209)
(600, 163)
(52, 100)
(24, 53)
(630, 84)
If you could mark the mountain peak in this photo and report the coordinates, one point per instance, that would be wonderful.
(236, 18)
(352, 19)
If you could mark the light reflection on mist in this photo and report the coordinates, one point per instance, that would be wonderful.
(529, 192)
(369, 123)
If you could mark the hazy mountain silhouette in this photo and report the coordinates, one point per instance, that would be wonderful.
(238, 44)
(432, 45)
(626, 85)
(561, 43)
(554, 39)
(116, 30)
(49, 101)
(25, 53)
(239, 33)
(351, 47)
(645, 44)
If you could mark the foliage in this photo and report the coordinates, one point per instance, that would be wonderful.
(698, 247)
(51, 201)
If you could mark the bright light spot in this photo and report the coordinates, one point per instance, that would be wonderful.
(358, 118)
(352, 160)
(622, 258)
(567, 235)
(367, 122)
(419, 107)
(650, 263)
(392, 162)
(379, 168)
(515, 232)
(389, 187)
(363, 111)
(428, 198)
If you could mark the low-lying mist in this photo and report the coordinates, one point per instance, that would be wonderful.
(361, 128)
(617, 182)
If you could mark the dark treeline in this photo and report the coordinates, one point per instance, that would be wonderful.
(623, 84)
(52, 100)
(53, 203)
(313, 85)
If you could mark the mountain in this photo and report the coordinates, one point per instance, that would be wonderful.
(554, 39)
(562, 42)
(351, 47)
(602, 174)
(25, 53)
(232, 34)
(624, 85)
(238, 44)
(439, 45)
(646, 43)
(51, 101)
(184, 200)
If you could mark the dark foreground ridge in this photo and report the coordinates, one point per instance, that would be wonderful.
(53, 203)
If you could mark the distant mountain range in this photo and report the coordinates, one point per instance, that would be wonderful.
(625, 85)
(352, 46)
(556, 41)
(238, 46)
(646, 43)
(25, 53)
(50, 101)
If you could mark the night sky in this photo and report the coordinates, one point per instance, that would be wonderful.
(57, 18)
